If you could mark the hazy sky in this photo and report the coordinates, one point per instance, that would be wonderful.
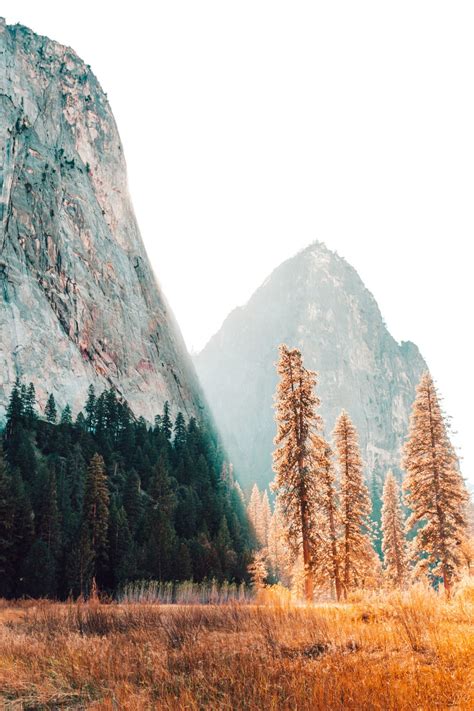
(252, 128)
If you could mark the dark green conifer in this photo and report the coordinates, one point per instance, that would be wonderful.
(29, 406)
(66, 416)
(122, 560)
(95, 523)
(6, 529)
(39, 571)
(179, 432)
(160, 527)
(90, 409)
(46, 510)
(132, 499)
(23, 532)
(184, 562)
(225, 551)
(14, 410)
(50, 411)
(166, 424)
(81, 423)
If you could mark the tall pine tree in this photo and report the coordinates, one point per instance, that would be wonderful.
(14, 410)
(95, 525)
(356, 552)
(50, 411)
(279, 557)
(159, 521)
(29, 405)
(393, 535)
(434, 489)
(253, 510)
(295, 481)
(329, 563)
(264, 518)
(90, 409)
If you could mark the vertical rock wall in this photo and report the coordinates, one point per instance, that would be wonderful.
(79, 302)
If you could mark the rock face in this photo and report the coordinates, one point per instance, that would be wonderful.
(317, 303)
(79, 303)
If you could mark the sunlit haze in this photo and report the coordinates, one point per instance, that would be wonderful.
(251, 129)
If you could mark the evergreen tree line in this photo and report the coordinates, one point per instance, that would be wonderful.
(321, 533)
(107, 499)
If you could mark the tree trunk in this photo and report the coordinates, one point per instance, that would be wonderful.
(335, 559)
(446, 582)
(308, 573)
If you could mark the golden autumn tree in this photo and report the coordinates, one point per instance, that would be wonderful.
(264, 518)
(357, 555)
(393, 534)
(279, 557)
(329, 563)
(258, 570)
(253, 510)
(467, 544)
(259, 514)
(434, 488)
(295, 482)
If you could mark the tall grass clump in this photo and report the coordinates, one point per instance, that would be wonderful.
(185, 593)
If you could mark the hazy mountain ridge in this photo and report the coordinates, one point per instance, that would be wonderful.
(317, 302)
(79, 301)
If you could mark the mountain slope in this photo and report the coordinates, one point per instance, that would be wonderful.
(316, 302)
(79, 303)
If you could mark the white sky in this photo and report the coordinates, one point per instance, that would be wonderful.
(252, 128)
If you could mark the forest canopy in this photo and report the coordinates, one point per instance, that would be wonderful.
(110, 498)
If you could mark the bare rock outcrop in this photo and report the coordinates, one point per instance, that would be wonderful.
(79, 302)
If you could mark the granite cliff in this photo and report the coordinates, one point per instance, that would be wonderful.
(79, 302)
(316, 302)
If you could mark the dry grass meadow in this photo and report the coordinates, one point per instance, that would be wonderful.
(402, 652)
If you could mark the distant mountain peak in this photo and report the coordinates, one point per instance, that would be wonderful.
(314, 301)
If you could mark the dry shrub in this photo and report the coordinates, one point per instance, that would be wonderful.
(183, 628)
(464, 592)
(417, 611)
(274, 596)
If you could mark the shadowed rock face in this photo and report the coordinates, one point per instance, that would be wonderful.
(79, 303)
(317, 303)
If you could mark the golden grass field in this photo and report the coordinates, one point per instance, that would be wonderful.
(400, 652)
